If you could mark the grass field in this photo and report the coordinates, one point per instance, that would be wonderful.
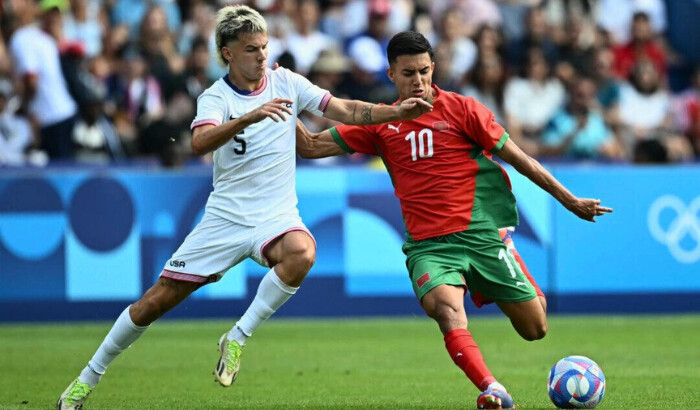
(649, 363)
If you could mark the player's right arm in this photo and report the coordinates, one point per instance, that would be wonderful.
(208, 137)
(316, 144)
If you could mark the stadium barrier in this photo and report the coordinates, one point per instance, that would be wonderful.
(80, 244)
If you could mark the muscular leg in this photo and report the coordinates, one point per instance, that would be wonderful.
(160, 298)
(292, 255)
(528, 318)
(133, 321)
(445, 304)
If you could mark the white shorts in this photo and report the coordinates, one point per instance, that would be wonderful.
(217, 244)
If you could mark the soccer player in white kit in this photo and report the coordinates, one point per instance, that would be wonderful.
(248, 119)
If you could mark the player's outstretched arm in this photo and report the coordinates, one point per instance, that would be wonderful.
(584, 208)
(208, 138)
(316, 145)
(352, 112)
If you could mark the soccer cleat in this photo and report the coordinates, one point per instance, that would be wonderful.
(74, 397)
(494, 399)
(230, 361)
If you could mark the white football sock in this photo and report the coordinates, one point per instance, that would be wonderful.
(123, 334)
(272, 293)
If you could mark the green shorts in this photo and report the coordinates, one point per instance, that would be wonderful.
(478, 259)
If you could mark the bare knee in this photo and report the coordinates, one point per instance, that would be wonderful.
(534, 331)
(448, 316)
(296, 265)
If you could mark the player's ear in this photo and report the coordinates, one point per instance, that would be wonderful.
(390, 73)
(226, 52)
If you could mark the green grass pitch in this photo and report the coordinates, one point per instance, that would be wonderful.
(650, 362)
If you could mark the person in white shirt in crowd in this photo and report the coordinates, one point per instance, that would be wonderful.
(459, 47)
(646, 121)
(82, 23)
(248, 119)
(306, 42)
(526, 120)
(615, 16)
(45, 96)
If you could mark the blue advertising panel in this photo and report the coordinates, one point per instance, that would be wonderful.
(650, 244)
(83, 243)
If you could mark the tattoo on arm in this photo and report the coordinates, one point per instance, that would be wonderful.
(367, 113)
(354, 108)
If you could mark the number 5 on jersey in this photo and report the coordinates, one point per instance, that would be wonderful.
(425, 144)
(240, 150)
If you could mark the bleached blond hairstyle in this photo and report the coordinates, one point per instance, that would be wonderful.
(232, 21)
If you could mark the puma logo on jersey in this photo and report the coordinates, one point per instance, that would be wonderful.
(395, 128)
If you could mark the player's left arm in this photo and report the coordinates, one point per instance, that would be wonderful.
(584, 208)
(316, 144)
(352, 112)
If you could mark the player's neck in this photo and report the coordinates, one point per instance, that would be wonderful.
(238, 80)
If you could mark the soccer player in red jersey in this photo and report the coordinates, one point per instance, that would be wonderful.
(454, 198)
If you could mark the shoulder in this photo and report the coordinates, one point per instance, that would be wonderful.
(281, 74)
(217, 89)
(20, 38)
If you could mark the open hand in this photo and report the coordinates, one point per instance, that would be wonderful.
(413, 107)
(588, 209)
(274, 110)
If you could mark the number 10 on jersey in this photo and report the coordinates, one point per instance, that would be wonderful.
(424, 147)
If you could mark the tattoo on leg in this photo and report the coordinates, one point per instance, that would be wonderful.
(173, 284)
(367, 113)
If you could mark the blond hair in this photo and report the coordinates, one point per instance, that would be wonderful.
(232, 21)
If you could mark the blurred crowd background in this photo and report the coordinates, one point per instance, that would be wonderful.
(116, 81)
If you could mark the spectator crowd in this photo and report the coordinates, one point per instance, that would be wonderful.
(110, 81)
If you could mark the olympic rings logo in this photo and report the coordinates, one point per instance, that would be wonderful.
(686, 222)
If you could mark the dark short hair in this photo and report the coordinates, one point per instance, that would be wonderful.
(407, 43)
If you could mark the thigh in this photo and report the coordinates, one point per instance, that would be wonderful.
(494, 274)
(432, 263)
(282, 236)
(211, 249)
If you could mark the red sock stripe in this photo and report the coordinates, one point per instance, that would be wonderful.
(466, 354)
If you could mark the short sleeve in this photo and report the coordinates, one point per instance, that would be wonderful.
(311, 98)
(26, 59)
(481, 126)
(210, 110)
(354, 138)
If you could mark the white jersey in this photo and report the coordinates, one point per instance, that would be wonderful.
(35, 52)
(254, 172)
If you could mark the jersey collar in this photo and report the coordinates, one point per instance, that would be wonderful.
(246, 92)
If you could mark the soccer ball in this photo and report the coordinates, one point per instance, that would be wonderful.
(576, 382)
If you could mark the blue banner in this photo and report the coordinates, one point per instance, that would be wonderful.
(70, 239)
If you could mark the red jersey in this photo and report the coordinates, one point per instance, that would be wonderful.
(441, 175)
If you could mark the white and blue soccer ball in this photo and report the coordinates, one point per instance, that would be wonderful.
(576, 382)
